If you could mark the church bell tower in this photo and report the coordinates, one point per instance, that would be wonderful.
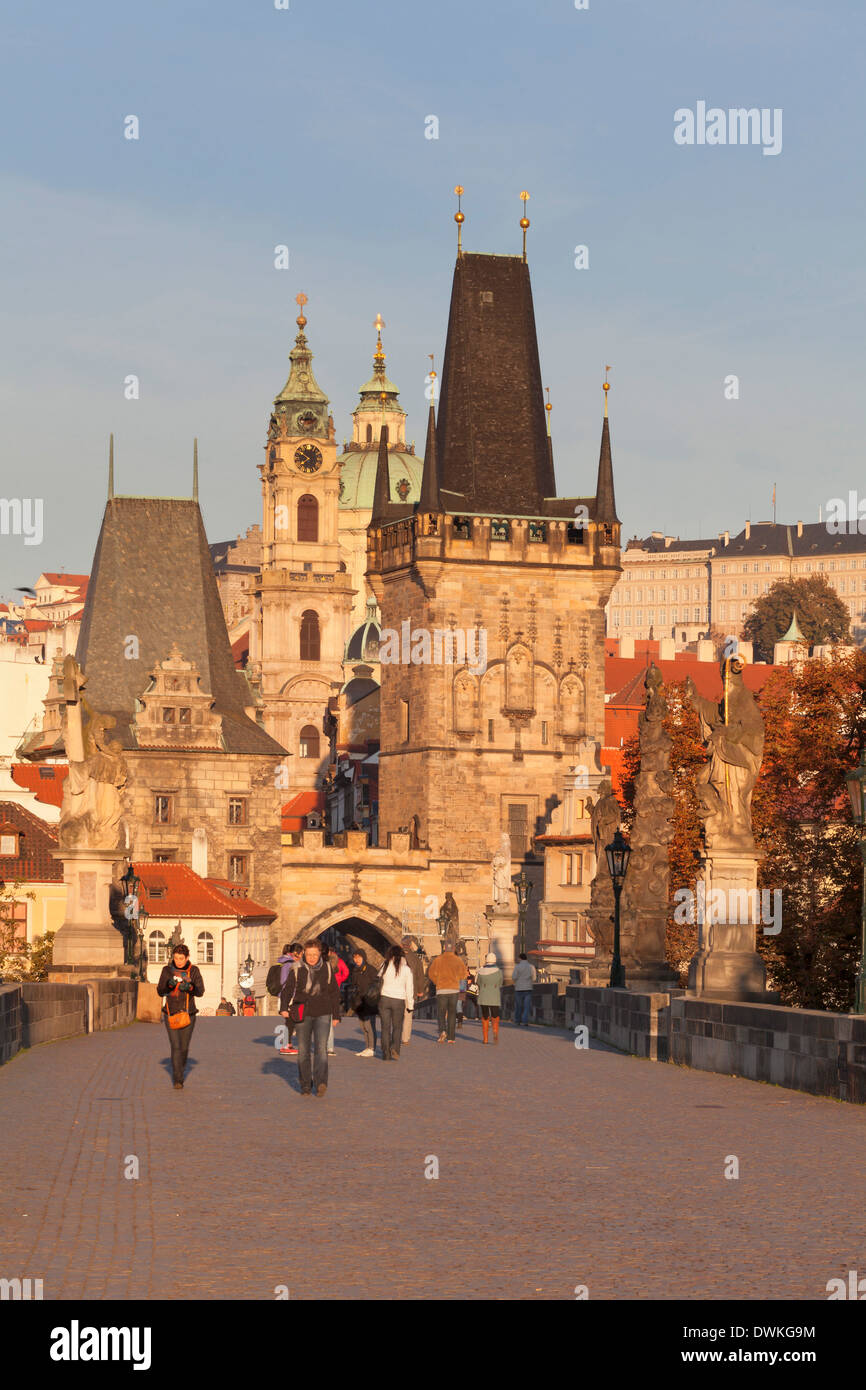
(303, 593)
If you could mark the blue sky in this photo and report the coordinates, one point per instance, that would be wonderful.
(306, 127)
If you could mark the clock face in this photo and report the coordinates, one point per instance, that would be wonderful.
(308, 458)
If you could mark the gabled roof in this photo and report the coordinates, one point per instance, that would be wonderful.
(34, 862)
(153, 578)
(186, 894)
(299, 807)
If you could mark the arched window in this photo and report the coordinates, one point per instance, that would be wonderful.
(308, 518)
(156, 948)
(309, 742)
(369, 434)
(311, 644)
(204, 942)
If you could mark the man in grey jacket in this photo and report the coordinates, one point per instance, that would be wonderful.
(523, 977)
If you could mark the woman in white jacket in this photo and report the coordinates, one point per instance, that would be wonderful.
(398, 995)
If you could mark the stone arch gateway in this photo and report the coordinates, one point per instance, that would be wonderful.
(362, 923)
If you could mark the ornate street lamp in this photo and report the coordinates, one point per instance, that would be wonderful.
(618, 854)
(523, 889)
(856, 783)
(131, 882)
(143, 916)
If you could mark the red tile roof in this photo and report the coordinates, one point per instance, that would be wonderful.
(295, 811)
(48, 788)
(70, 581)
(186, 894)
(34, 862)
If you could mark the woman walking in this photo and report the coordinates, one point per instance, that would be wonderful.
(398, 995)
(362, 980)
(490, 996)
(180, 984)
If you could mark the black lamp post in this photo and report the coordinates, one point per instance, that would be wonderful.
(131, 933)
(523, 889)
(856, 782)
(618, 854)
(131, 882)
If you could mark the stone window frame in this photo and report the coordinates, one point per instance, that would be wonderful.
(244, 802)
(168, 818)
(240, 854)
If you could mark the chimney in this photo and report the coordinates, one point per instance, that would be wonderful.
(705, 649)
(724, 537)
(799, 528)
(668, 542)
(748, 529)
(199, 852)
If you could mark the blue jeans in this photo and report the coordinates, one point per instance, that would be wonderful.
(313, 1030)
(522, 1005)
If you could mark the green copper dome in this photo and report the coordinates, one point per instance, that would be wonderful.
(358, 477)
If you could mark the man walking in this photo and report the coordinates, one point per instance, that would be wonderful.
(523, 978)
(447, 973)
(312, 989)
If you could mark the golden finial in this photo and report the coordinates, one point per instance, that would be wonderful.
(300, 300)
(459, 218)
(605, 388)
(379, 354)
(524, 221)
(431, 377)
(548, 408)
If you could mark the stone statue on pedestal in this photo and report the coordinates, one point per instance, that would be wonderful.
(501, 869)
(645, 893)
(733, 731)
(605, 814)
(452, 915)
(92, 808)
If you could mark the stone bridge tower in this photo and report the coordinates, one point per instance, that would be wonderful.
(493, 570)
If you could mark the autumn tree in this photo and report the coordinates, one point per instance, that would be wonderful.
(821, 614)
(815, 723)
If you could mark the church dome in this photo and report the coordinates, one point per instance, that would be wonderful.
(363, 645)
(358, 477)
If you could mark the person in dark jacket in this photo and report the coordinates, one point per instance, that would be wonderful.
(180, 984)
(362, 978)
(419, 975)
(224, 1008)
(313, 986)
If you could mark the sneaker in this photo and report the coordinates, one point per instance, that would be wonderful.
(441, 1037)
(320, 1090)
(332, 1053)
(178, 1085)
(395, 1056)
(306, 1093)
(451, 1040)
(368, 1052)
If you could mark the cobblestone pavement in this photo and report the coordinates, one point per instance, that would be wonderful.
(557, 1168)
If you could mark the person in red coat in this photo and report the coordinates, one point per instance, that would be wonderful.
(341, 975)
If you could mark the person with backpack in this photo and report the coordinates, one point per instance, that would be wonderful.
(248, 1007)
(311, 998)
(447, 971)
(276, 979)
(225, 1009)
(490, 979)
(179, 985)
(364, 990)
(341, 973)
(398, 995)
(421, 983)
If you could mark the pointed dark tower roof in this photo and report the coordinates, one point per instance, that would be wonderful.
(491, 437)
(430, 500)
(384, 510)
(605, 502)
(153, 579)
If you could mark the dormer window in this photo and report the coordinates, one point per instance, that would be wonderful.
(8, 842)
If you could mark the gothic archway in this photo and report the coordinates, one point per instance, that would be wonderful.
(361, 924)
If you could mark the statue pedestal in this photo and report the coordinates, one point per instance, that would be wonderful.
(503, 936)
(726, 964)
(88, 938)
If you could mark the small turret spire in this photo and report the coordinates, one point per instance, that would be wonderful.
(459, 218)
(605, 502)
(111, 465)
(524, 221)
(430, 500)
(382, 493)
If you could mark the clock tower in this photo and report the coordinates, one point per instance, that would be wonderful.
(303, 593)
